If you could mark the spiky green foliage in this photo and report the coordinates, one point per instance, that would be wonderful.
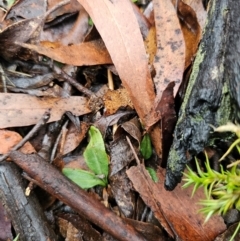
(223, 186)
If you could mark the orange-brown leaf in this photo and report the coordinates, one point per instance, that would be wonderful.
(89, 53)
(9, 139)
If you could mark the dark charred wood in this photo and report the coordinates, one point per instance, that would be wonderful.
(213, 88)
(27, 216)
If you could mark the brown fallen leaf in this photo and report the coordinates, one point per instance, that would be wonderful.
(128, 54)
(170, 57)
(8, 139)
(89, 53)
(24, 110)
(74, 137)
(177, 207)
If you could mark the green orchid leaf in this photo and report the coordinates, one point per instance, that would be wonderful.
(95, 155)
(17, 237)
(146, 147)
(83, 178)
(152, 174)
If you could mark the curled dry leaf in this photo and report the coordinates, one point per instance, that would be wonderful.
(105, 121)
(128, 54)
(89, 53)
(121, 155)
(198, 7)
(170, 56)
(191, 31)
(24, 110)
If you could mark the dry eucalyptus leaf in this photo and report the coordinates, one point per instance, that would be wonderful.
(170, 57)
(24, 110)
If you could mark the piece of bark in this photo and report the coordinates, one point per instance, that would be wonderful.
(26, 215)
(208, 96)
(51, 180)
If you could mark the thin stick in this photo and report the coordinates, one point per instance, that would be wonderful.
(73, 82)
(39, 124)
(134, 152)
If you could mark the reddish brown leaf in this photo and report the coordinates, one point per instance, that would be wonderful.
(9, 139)
(177, 207)
(170, 56)
(117, 24)
(89, 53)
(24, 110)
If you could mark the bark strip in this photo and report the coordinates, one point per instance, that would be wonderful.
(26, 214)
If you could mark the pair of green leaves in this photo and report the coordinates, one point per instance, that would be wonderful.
(97, 161)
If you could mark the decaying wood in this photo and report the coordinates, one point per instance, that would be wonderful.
(26, 214)
(208, 96)
(51, 180)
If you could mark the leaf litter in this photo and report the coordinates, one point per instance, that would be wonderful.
(145, 84)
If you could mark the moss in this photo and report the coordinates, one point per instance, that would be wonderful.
(173, 155)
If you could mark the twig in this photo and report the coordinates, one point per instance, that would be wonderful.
(50, 179)
(134, 152)
(72, 81)
(40, 123)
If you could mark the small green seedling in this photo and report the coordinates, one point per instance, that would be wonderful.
(146, 147)
(152, 174)
(146, 151)
(96, 159)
